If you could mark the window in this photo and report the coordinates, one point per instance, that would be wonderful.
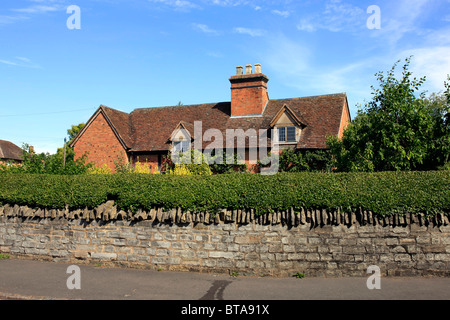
(286, 134)
(181, 146)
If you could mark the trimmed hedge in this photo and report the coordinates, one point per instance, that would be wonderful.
(384, 193)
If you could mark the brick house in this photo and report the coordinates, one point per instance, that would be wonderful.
(147, 134)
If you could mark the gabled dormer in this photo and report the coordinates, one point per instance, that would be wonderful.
(287, 126)
(181, 137)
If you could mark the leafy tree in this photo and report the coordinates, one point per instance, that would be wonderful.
(64, 162)
(53, 163)
(32, 161)
(397, 130)
(74, 130)
(439, 106)
(292, 160)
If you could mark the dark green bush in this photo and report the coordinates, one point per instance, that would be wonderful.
(384, 193)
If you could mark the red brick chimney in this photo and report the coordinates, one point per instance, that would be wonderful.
(248, 92)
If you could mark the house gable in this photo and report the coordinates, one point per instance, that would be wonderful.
(183, 131)
(100, 140)
(345, 119)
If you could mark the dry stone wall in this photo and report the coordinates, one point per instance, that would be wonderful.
(313, 242)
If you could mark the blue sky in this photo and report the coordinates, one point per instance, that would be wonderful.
(148, 53)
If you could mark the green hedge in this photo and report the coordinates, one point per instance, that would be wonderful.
(383, 193)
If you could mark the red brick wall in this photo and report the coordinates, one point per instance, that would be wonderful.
(345, 121)
(101, 144)
(152, 160)
(250, 100)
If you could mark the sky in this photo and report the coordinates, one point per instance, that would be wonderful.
(61, 59)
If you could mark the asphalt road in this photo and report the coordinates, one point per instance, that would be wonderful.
(35, 280)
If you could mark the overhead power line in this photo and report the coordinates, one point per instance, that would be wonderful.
(40, 113)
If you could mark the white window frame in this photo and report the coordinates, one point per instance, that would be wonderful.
(185, 146)
(285, 128)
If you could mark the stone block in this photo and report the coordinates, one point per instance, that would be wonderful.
(221, 254)
(433, 248)
(103, 255)
(160, 244)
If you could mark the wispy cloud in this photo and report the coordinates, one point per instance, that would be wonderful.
(25, 13)
(249, 31)
(214, 54)
(432, 62)
(38, 9)
(226, 3)
(185, 5)
(204, 28)
(182, 5)
(400, 19)
(336, 16)
(20, 62)
(306, 25)
(295, 65)
(284, 14)
(8, 19)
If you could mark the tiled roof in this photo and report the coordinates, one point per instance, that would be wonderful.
(149, 129)
(10, 151)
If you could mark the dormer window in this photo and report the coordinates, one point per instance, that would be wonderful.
(287, 134)
(181, 146)
(287, 126)
(181, 138)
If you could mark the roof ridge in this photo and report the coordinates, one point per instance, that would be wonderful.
(309, 97)
(102, 106)
(181, 106)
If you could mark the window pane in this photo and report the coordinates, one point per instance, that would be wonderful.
(177, 146)
(281, 134)
(290, 133)
(185, 146)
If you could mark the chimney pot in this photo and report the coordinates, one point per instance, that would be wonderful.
(248, 93)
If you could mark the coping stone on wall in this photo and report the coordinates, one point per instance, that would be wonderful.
(109, 211)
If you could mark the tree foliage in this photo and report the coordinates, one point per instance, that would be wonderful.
(399, 129)
(294, 160)
(62, 162)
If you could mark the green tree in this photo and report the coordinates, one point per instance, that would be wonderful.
(62, 162)
(397, 130)
(74, 130)
(292, 160)
(33, 162)
(439, 106)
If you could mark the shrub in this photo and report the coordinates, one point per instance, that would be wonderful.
(384, 193)
(140, 167)
(104, 169)
(180, 169)
(189, 162)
